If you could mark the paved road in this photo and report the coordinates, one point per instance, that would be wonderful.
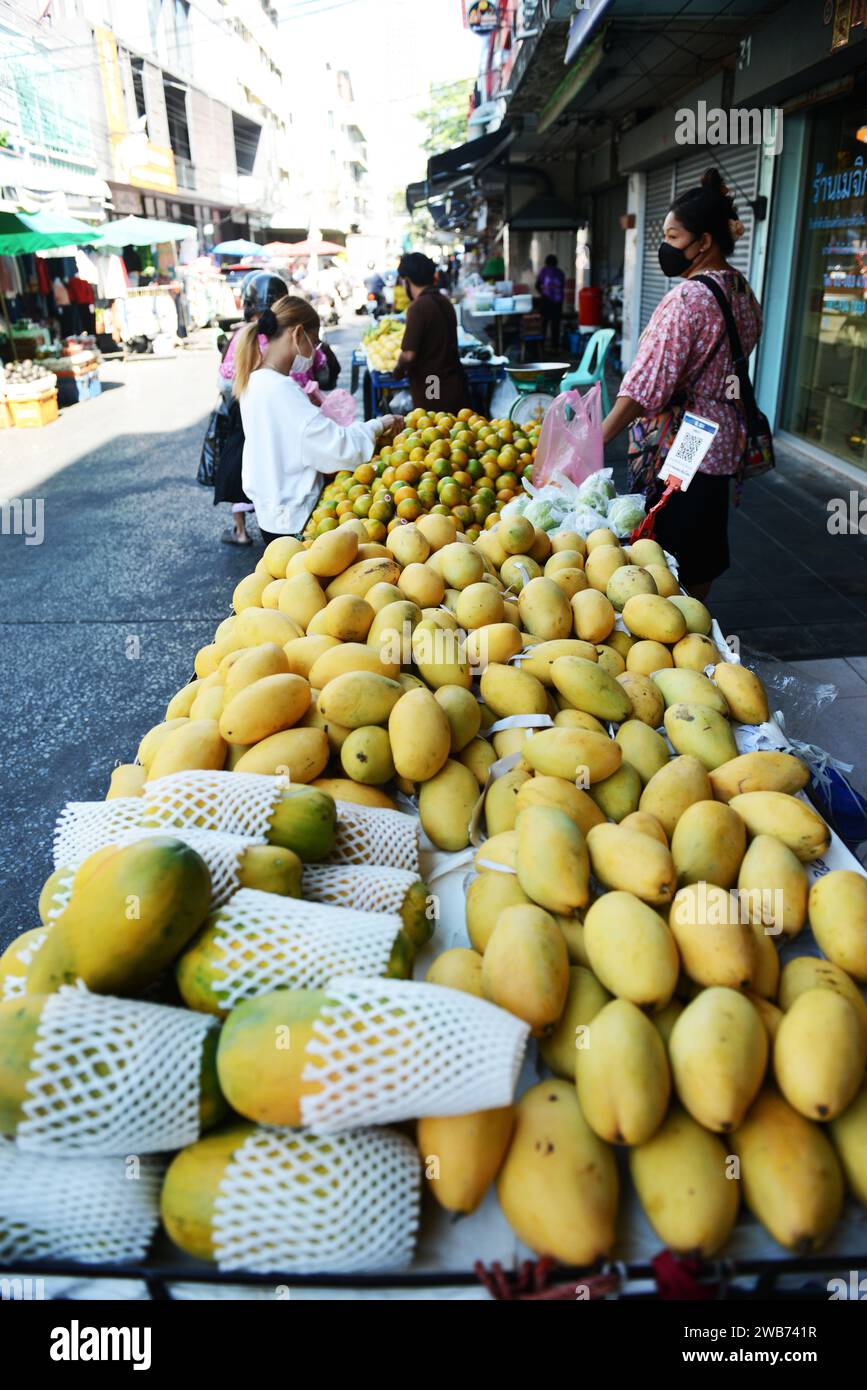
(101, 620)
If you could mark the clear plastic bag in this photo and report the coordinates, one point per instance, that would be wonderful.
(625, 513)
(570, 442)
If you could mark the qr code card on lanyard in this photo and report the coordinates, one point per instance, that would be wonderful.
(691, 443)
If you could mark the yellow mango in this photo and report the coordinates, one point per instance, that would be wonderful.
(489, 894)
(393, 624)
(772, 885)
(302, 653)
(647, 703)
(540, 657)
(675, 786)
(820, 1052)
(633, 862)
(573, 753)
(585, 997)
(254, 664)
(718, 1051)
(154, 739)
(544, 610)
(788, 818)
(408, 545)
(271, 593)
(568, 718)
(758, 772)
(709, 843)
(422, 585)
(462, 711)
(440, 655)
(479, 757)
(258, 625)
(716, 946)
(197, 744)
(811, 972)
(458, 968)
(300, 598)
(665, 1020)
(445, 803)
(587, 686)
(565, 796)
(627, 581)
(642, 747)
(837, 909)
(263, 708)
(646, 658)
(665, 581)
(347, 618)
(745, 693)
(479, 605)
(618, 796)
(790, 1176)
(365, 756)
(602, 562)
(695, 652)
(558, 1185)
(437, 530)
(359, 698)
(179, 705)
(610, 660)
(496, 642)
(691, 687)
(278, 553)
(358, 578)
(593, 615)
(645, 824)
(697, 616)
(208, 704)
(680, 1176)
(700, 732)
(248, 592)
(501, 801)
(126, 780)
(345, 658)
(344, 789)
(519, 570)
(622, 1075)
(332, 553)
(381, 595)
(508, 690)
(848, 1133)
(301, 754)
(420, 735)
(462, 1154)
(631, 950)
(654, 617)
(553, 864)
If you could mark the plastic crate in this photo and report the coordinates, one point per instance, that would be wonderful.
(74, 388)
(41, 410)
(5, 416)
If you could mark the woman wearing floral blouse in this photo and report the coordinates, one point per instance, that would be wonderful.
(684, 359)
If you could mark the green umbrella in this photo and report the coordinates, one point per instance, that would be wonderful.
(142, 231)
(21, 232)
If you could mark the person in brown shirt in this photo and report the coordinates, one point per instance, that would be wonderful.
(429, 352)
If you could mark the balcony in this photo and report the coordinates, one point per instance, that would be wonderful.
(185, 172)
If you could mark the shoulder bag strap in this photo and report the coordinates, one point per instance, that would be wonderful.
(738, 357)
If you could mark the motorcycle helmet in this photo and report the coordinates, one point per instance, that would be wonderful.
(259, 291)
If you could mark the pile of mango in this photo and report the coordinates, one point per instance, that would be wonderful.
(560, 712)
(462, 466)
(382, 343)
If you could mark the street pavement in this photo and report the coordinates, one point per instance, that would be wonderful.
(102, 619)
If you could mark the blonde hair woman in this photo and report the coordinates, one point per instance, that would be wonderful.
(288, 443)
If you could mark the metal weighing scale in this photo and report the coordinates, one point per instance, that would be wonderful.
(537, 384)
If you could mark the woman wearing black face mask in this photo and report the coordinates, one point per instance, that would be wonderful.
(684, 360)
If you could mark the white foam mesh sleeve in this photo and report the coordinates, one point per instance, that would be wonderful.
(222, 853)
(112, 1076)
(96, 1210)
(86, 826)
(294, 1201)
(367, 835)
(388, 1050)
(365, 887)
(239, 803)
(14, 986)
(271, 942)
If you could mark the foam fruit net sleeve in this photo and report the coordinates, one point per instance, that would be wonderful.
(298, 1202)
(96, 1210)
(367, 835)
(389, 1050)
(270, 942)
(363, 887)
(112, 1076)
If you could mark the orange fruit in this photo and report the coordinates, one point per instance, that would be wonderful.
(364, 473)
(361, 505)
(409, 509)
(462, 478)
(404, 494)
(416, 455)
(408, 473)
(329, 524)
(450, 493)
(381, 511)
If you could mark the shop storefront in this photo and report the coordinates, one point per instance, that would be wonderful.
(824, 396)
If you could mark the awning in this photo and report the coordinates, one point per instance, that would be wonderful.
(546, 213)
(22, 232)
(456, 167)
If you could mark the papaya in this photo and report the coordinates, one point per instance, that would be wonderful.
(758, 772)
(192, 1186)
(52, 895)
(681, 1178)
(305, 821)
(299, 753)
(622, 1075)
(820, 1052)
(634, 862)
(462, 1154)
(553, 864)
(525, 968)
(261, 1056)
(837, 908)
(128, 921)
(631, 950)
(718, 1050)
(271, 869)
(788, 818)
(558, 1184)
(16, 960)
(790, 1176)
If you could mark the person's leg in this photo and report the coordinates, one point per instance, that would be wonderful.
(239, 517)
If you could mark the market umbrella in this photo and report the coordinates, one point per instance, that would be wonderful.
(280, 250)
(142, 231)
(23, 232)
(239, 247)
(310, 248)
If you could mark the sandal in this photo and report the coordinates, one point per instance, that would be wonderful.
(231, 537)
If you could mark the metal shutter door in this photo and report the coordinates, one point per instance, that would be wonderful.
(659, 191)
(739, 166)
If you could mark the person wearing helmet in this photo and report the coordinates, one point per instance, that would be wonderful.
(259, 291)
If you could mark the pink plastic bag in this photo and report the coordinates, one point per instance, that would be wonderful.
(571, 439)
(339, 406)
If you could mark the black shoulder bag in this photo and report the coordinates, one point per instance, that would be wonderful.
(758, 454)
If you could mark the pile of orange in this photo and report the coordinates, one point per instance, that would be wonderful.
(462, 466)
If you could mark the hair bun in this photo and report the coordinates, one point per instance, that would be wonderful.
(267, 323)
(711, 179)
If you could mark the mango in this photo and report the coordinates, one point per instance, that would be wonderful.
(332, 553)
(593, 615)
(837, 908)
(462, 712)
(675, 786)
(700, 732)
(758, 772)
(633, 862)
(420, 735)
(422, 585)
(627, 581)
(501, 801)
(646, 658)
(265, 707)
(585, 997)
(848, 1133)
(716, 946)
(647, 703)
(488, 896)
(610, 660)
(127, 779)
(745, 693)
(618, 796)
(508, 690)
(654, 617)
(179, 705)
(457, 968)
(544, 610)
(696, 615)
(154, 739)
(601, 564)
(126, 923)
(573, 934)
(590, 688)
(479, 757)
(691, 687)
(645, 824)
(695, 652)
(440, 655)
(772, 886)
(278, 553)
(665, 1020)
(208, 704)
(786, 817)
(519, 570)
(718, 1050)
(248, 592)
(790, 1176)
(820, 1052)
(365, 756)
(383, 594)
(300, 754)
(642, 747)
(553, 864)
(359, 698)
(445, 803)
(460, 565)
(565, 796)
(525, 968)
(631, 950)
(271, 869)
(568, 718)
(437, 530)
(357, 793)
(408, 545)
(573, 753)
(358, 578)
(349, 658)
(665, 581)
(680, 1176)
(811, 972)
(645, 552)
(301, 598)
(257, 625)
(562, 559)
(558, 1185)
(496, 642)
(622, 1075)
(462, 1154)
(572, 581)
(197, 744)
(708, 844)
(602, 536)
(516, 534)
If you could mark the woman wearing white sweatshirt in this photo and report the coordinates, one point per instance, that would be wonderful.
(288, 443)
